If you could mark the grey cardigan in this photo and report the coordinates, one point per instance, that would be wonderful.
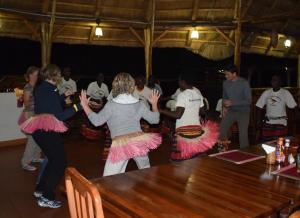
(123, 118)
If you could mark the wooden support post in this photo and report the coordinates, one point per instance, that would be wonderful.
(46, 37)
(44, 43)
(298, 76)
(149, 34)
(148, 58)
(237, 48)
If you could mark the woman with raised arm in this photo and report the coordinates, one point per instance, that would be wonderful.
(122, 115)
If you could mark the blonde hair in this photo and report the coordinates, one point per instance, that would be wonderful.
(30, 70)
(123, 84)
(51, 72)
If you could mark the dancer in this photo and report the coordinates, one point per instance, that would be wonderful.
(276, 100)
(153, 83)
(142, 91)
(191, 138)
(32, 152)
(98, 89)
(46, 127)
(123, 114)
(66, 82)
(237, 101)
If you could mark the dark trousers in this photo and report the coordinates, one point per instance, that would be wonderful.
(52, 145)
(242, 119)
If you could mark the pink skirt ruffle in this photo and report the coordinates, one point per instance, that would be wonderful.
(22, 118)
(188, 147)
(133, 145)
(45, 122)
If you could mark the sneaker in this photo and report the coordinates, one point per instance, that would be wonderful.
(37, 160)
(44, 202)
(29, 167)
(37, 194)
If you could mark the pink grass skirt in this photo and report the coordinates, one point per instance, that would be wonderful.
(22, 118)
(133, 145)
(45, 122)
(191, 140)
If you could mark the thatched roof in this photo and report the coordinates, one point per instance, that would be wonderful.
(123, 23)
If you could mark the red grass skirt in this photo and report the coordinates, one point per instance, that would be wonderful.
(133, 145)
(46, 122)
(273, 131)
(189, 141)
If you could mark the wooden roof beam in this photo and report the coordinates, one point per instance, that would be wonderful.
(159, 37)
(46, 6)
(139, 38)
(92, 33)
(294, 11)
(244, 12)
(98, 8)
(34, 32)
(195, 10)
(225, 36)
(58, 32)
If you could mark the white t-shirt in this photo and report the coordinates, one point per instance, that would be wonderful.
(276, 103)
(67, 85)
(174, 96)
(191, 100)
(206, 103)
(97, 92)
(219, 107)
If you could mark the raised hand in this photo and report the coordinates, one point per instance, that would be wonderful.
(68, 93)
(83, 99)
(153, 99)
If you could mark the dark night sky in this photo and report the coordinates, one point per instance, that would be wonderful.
(18, 54)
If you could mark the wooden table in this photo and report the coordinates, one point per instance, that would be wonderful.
(206, 187)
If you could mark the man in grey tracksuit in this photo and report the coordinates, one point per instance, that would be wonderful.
(237, 98)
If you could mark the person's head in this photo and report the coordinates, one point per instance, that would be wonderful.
(31, 75)
(151, 81)
(100, 78)
(186, 80)
(51, 73)
(67, 73)
(123, 83)
(140, 82)
(231, 72)
(276, 82)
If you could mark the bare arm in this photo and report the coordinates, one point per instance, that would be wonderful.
(174, 114)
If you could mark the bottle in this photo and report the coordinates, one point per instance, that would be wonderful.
(278, 151)
(298, 160)
(286, 151)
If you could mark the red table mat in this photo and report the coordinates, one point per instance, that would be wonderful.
(237, 157)
(289, 172)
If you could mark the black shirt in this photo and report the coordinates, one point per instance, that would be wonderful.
(48, 101)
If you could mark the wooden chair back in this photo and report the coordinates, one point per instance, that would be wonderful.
(83, 197)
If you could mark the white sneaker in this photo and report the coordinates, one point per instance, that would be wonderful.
(29, 167)
(37, 194)
(37, 160)
(44, 202)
